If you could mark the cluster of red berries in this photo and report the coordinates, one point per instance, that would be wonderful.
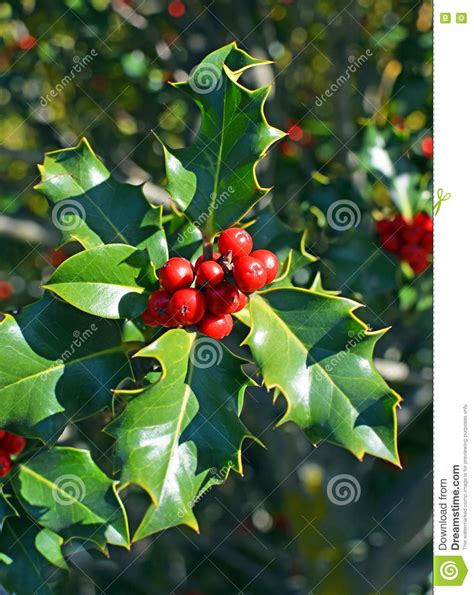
(412, 240)
(10, 445)
(220, 286)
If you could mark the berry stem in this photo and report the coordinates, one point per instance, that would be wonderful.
(207, 248)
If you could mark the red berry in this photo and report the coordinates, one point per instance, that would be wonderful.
(398, 223)
(148, 318)
(5, 463)
(200, 260)
(159, 308)
(57, 257)
(187, 306)
(287, 148)
(384, 227)
(2, 433)
(419, 264)
(26, 42)
(427, 242)
(12, 443)
(390, 242)
(177, 273)
(223, 299)
(243, 301)
(269, 262)
(295, 132)
(411, 234)
(6, 290)
(249, 274)
(427, 147)
(215, 326)
(210, 273)
(424, 221)
(415, 257)
(237, 240)
(409, 252)
(176, 9)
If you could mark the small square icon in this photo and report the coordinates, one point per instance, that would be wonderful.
(461, 17)
(445, 17)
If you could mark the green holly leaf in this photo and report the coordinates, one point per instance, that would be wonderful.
(57, 364)
(110, 281)
(49, 545)
(213, 181)
(182, 434)
(270, 233)
(90, 207)
(64, 491)
(6, 508)
(313, 349)
(24, 569)
(317, 286)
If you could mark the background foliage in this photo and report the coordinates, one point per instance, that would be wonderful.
(275, 527)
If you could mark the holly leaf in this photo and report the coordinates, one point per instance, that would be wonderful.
(313, 349)
(270, 233)
(213, 181)
(6, 508)
(182, 434)
(92, 208)
(110, 281)
(57, 364)
(23, 569)
(64, 491)
(49, 545)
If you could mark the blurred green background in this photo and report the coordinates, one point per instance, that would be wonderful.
(275, 528)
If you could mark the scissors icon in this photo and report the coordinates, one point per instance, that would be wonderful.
(442, 197)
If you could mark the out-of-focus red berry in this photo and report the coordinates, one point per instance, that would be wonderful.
(176, 9)
(13, 444)
(287, 148)
(57, 257)
(295, 132)
(27, 42)
(5, 463)
(411, 234)
(427, 147)
(6, 290)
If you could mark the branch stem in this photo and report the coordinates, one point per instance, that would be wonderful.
(207, 248)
